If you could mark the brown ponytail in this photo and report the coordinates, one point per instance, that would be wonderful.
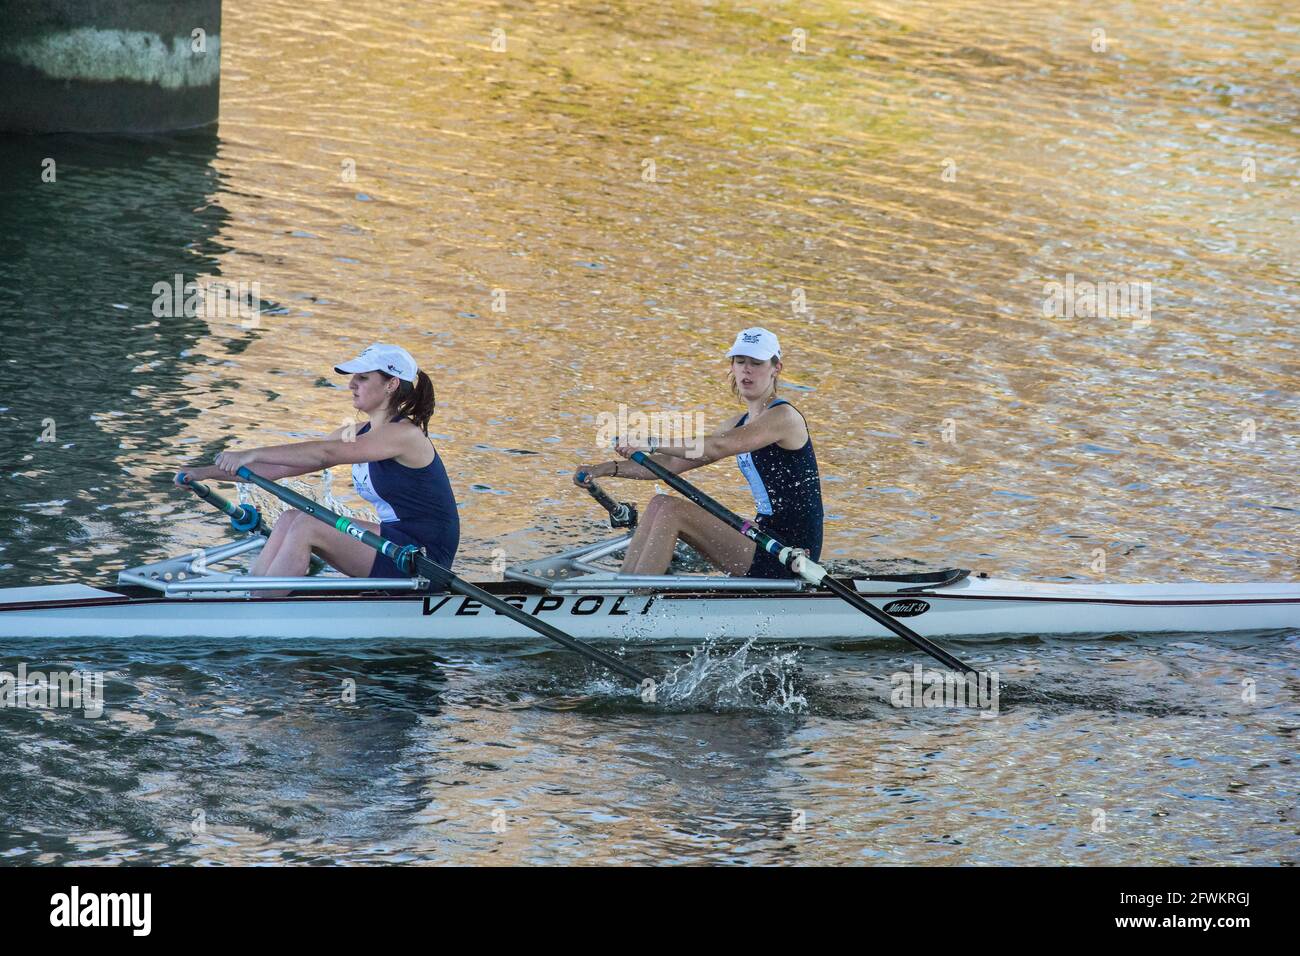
(413, 402)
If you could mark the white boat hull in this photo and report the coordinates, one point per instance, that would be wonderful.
(973, 608)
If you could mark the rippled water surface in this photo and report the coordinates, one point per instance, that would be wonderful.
(583, 219)
(514, 754)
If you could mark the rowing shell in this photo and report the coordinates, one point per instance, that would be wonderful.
(970, 607)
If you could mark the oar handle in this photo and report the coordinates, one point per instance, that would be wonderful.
(622, 514)
(242, 517)
(414, 561)
(798, 562)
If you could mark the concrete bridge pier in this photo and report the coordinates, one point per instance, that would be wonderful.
(101, 66)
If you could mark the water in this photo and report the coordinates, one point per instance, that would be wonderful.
(1169, 449)
(250, 752)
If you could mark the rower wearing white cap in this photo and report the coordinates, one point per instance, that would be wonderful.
(774, 449)
(394, 467)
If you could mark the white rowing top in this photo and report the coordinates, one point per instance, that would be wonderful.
(756, 487)
(366, 489)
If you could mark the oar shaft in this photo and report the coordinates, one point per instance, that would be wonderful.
(398, 553)
(488, 599)
(242, 517)
(809, 570)
(869, 609)
(621, 514)
(412, 560)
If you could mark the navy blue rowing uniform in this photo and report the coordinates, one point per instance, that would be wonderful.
(787, 491)
(415, 506)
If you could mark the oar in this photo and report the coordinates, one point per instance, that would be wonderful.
(800, 564)
(242, 517)
(412, 560)
(622, 514)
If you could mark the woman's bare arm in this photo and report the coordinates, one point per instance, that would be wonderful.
(780, 425)
(630, 469)
(268, 470)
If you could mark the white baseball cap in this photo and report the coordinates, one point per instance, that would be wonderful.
(393, 359)
(757, 343)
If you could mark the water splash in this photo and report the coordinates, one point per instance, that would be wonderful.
(721, 677)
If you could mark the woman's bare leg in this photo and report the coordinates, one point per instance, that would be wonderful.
(272, 546)
(305, 535)
(668, 519)
(342, 551)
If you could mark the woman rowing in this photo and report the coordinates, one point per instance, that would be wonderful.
(774, 449)
(394, 467)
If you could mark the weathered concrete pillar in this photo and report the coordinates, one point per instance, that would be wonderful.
(109, 65)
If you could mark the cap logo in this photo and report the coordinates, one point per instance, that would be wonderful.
(749, 338)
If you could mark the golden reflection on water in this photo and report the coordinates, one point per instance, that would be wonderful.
(525, 171)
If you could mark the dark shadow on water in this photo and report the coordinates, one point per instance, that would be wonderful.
(86, 364)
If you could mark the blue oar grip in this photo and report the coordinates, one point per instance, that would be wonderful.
(245, 518)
